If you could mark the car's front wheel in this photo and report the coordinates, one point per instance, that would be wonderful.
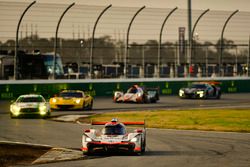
(12, 116)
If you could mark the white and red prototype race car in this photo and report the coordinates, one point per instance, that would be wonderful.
(114, 138)
(137, 94)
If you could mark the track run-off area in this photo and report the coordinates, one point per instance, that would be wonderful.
(165, 147)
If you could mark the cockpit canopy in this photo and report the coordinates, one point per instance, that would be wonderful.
(114, 129)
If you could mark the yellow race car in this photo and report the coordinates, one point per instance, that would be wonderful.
(71, 100)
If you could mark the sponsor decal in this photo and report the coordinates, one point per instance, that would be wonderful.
(233, 88)
(166, 90)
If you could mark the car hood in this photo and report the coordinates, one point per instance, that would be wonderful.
(30, 105)
(67, 98)
(191, 90)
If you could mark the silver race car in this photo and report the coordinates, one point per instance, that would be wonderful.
(30, 104)
(114, 138)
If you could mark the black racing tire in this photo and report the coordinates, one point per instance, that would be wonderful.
(154, 100)
(85, 153)
(144, 146)
(46, 116)
(115, 100)
(206, 95)
(90, 106)
(83, 106)
(145, 99)
(218, 95)
(12, 116)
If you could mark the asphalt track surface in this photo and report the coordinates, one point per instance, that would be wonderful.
(164, 147)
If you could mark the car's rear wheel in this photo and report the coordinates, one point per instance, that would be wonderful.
(85, 153)
(83, 106)
(46, 116)
(205, 95)
(218, 95)
(143, 146)
(90, 106)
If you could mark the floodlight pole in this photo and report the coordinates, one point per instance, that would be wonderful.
(248, 57)
(192, 34)
(17, 42)
(127, 41)
(55, 42)
(160, 40)
(195, 24)
(189, 13)
(93, 40)
(222, 40)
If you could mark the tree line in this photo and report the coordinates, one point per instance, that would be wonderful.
(109, 51)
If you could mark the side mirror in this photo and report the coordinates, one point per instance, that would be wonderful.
(138, 130)
(87, 131)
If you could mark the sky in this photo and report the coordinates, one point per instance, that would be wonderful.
(114, 22)
(242, 5)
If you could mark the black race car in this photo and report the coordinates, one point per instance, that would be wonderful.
(201, 90)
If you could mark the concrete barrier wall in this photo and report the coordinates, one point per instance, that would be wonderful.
(106, 87)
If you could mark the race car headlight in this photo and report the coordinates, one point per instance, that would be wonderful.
(42, 109)
(78, 101)
(54, 100)
(200, 92)
(15, 109)
(181, 92)
(87, 139)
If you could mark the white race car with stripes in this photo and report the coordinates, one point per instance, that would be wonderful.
(114, 138)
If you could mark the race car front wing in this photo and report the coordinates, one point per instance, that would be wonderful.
(111, 147)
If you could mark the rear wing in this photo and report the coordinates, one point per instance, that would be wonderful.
(156, 88)
(125, 123)
(210, 82)
(213, 82)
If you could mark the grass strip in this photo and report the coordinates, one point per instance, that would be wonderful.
(233, 120)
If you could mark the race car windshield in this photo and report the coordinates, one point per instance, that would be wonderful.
(114, 130)
(30, 99)
(198, 86)
(71, 94)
